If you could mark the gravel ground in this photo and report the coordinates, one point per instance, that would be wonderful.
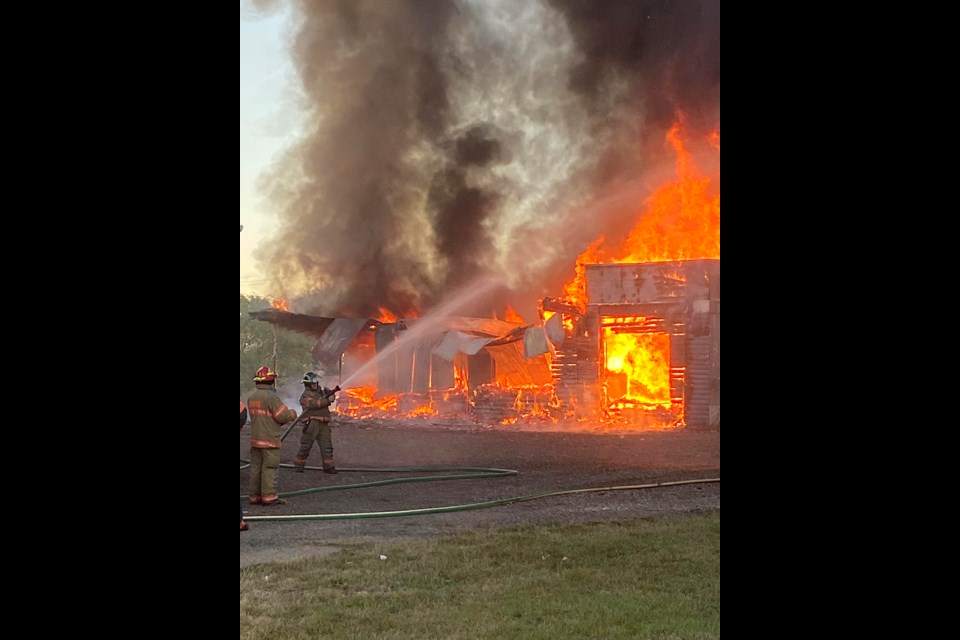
(546, 460)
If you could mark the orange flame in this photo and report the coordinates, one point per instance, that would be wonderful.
(509, 315)
(363, 394)
(280, 304)
(638, 367)
(360, 402)
(679, 221)
(576, 289)
(422, 410)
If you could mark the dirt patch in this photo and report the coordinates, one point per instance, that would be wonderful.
(547, 461)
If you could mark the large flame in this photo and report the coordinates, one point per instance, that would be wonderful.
(679, 221)
(280, 304)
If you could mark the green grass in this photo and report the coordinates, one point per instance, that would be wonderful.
(656, 579)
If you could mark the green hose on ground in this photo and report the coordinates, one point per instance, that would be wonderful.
(479, 472)
(473, 472)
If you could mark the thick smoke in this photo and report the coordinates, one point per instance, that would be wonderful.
(447, 138)
(666, 52)
(462, 213)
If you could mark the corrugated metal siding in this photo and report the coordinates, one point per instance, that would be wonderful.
(337, 338)
(387, 367)
(697, 382)
(421, 367)
(405, 366)
(441, 373)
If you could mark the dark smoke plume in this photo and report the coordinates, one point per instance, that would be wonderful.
(447, 138)
(667, 51)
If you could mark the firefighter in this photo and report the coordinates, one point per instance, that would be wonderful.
(316, 402)
(243, 421)
(267, 414)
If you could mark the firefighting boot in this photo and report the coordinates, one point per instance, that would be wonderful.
(328, 465)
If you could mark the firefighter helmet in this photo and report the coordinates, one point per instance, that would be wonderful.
(311, 379)
(265, 374)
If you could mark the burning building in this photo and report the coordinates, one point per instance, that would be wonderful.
(646, 346)
(643, 351)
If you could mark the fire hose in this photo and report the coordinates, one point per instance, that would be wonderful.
(475, 472)
(469, 473)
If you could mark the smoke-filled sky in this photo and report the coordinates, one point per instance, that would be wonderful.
(267, 120)
(437, 140)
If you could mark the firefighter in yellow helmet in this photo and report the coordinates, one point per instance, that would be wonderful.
(268, 414)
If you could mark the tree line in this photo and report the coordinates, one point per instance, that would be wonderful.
(261, 343)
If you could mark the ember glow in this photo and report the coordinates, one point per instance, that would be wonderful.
(362, 402)
(638, 367)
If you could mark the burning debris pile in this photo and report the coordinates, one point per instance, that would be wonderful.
(493, 404)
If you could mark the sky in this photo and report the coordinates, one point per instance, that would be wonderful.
(267, 123)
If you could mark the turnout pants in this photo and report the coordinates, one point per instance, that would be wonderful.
(263, 475)
(316, 430)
